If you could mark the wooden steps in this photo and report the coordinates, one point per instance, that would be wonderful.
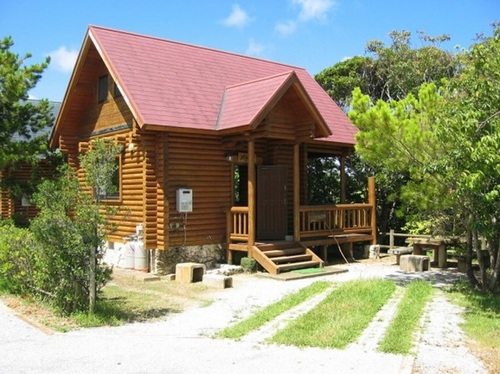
(278, 257)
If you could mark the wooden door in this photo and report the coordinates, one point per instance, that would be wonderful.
(271, 203)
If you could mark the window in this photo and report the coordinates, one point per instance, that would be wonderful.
(102, 90)
(110, 189)
(116, 90)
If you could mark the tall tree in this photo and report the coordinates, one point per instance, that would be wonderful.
(389, 72)
(446, 141)
(20, 120)
(99, 165)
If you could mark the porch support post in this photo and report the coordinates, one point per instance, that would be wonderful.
(296, 192)
(373, 202)
(251, 196)
(342, 180)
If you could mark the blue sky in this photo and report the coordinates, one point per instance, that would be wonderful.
(313, 34)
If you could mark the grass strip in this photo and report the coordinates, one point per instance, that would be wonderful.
(258, 319)
(399, 335)
(340, 318)
(482, 314)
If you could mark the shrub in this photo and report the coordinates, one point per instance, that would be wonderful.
(63, 260)
(248, 264)
(17, 260)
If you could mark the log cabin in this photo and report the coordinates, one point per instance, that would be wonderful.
(215, 150)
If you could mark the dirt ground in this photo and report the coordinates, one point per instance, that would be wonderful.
(41, 317)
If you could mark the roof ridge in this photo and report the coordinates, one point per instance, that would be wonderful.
(260, 79)
(294, 67)
(221, 109)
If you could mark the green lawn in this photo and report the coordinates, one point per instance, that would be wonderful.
(340, 318)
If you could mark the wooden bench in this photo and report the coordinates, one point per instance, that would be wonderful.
(398, 251)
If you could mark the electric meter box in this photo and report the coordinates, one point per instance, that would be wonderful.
(184, 200)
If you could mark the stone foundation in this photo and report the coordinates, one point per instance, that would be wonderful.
(208, 255)
(164, 261)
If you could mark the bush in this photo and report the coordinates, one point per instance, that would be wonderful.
(17, 259)
(248, 264)
(63, 256)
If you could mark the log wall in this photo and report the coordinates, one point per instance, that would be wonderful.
(198, 163)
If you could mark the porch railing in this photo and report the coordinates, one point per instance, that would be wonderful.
(237, 223)
(324, 220)
(315, 220)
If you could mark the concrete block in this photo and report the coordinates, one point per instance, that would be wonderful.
(218, 280)
(414, 263)
(189, 272)
(374, 251)
(399, 251)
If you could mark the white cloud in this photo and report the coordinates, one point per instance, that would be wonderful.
(63, 59)
(237, 18)
(255, 49)
(309, 10)
(286, 28)
(314, 9)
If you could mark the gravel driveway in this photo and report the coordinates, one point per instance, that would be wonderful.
(182, 343)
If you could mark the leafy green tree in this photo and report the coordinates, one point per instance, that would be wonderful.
(17, 263)
(399, 69)
(61, 256)
(23, 124)
(20, 120)
(446, 141)
(470, 166)
(99, 165)
(71, 229)
(340, 79)
(388, 72)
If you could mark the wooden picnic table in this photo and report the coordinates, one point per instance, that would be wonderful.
(439, 245)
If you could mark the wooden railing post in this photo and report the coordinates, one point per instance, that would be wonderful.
(251, 196)
(296, 192)
(229, 230)
(372, 200)
(391, 239)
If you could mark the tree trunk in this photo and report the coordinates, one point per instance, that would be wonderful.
(480, 259)
(92, 281)
(468, 261)
(494, 248)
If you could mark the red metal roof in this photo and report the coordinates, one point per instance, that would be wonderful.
(174, 84)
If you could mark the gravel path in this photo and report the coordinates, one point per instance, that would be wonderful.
(182, 343)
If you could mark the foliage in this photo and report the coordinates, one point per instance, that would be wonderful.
(387, 73)
(23, 124)
(248, 264)
(60, 229)
(445, 141)
(60, 259)
(99, 166)
(17, 260)
(400, 69)
(20, 120)
(340, 79)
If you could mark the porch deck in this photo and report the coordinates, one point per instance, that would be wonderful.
(319, 226)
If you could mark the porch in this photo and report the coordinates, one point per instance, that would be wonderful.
(314, 226)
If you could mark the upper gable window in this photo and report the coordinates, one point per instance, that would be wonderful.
(116, 90)
(102, 89)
